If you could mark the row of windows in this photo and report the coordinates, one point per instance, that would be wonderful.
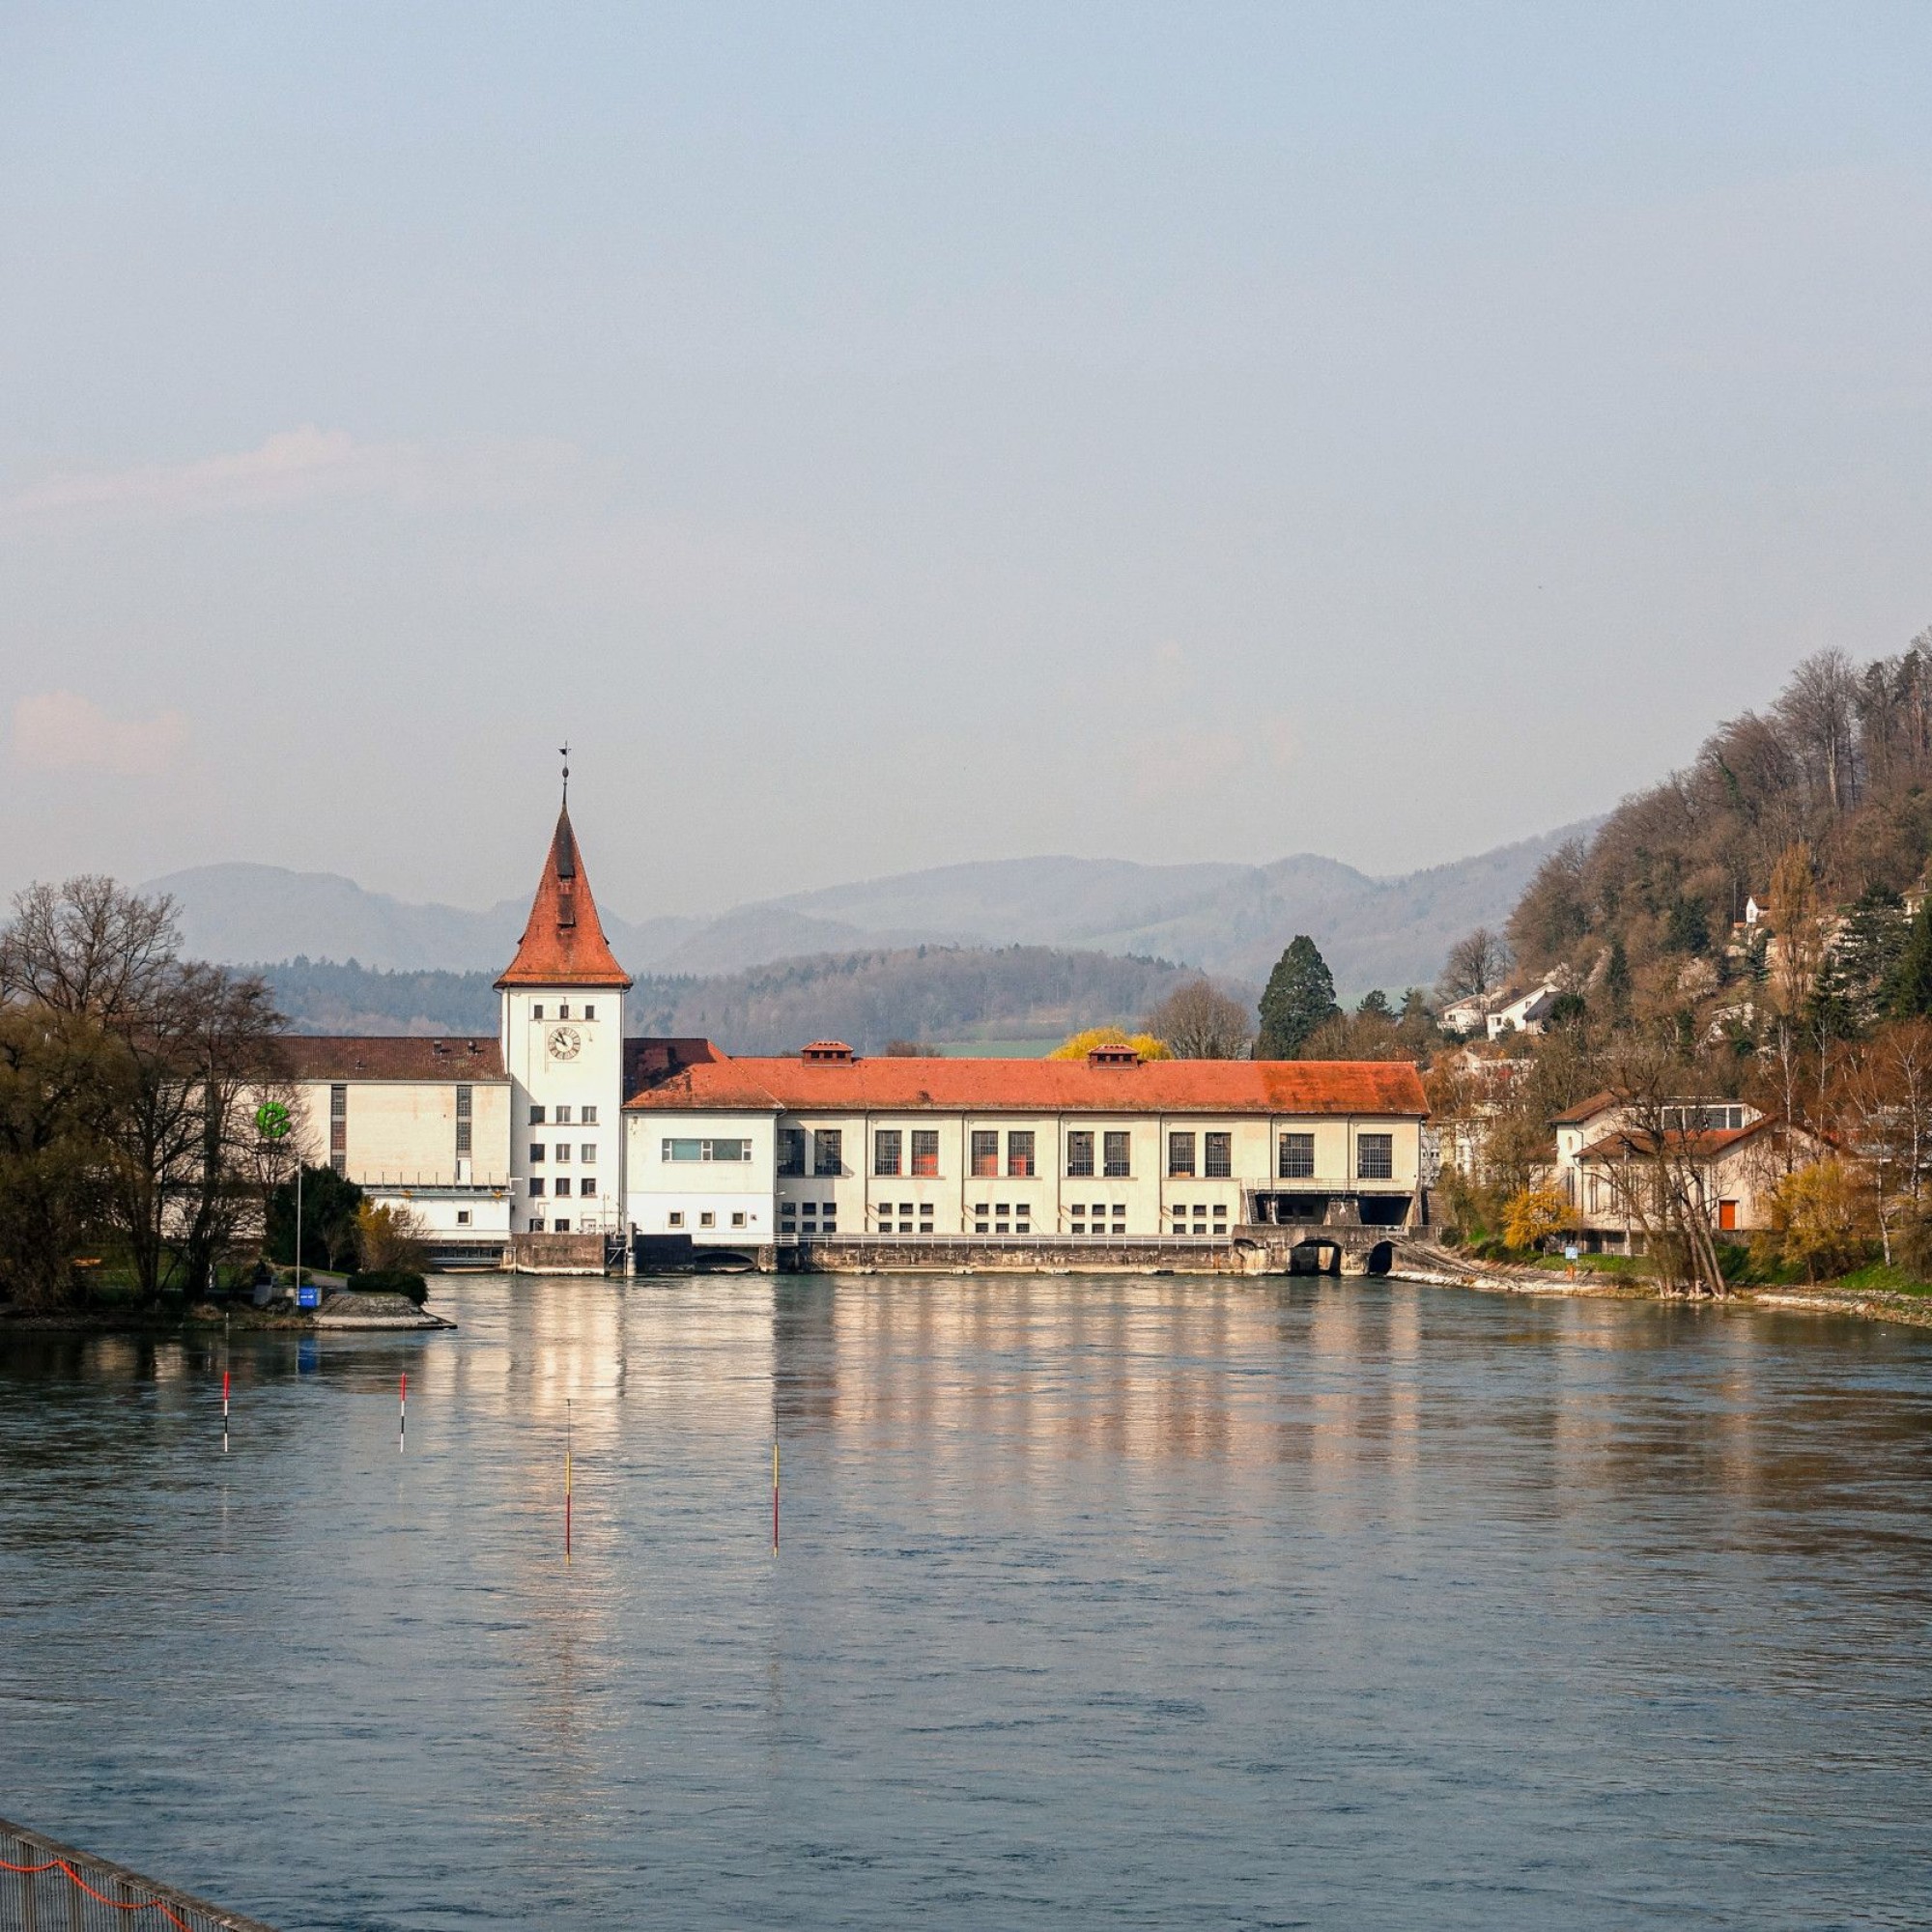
(902, 1221)
(1213, 1151)
(808, 1219)
(537, 1225)
(707, 1219)
(586, 1012)
(560, 1150)
(560, 1116)
(703, 1149)
(827, 1150)
(586, 1188)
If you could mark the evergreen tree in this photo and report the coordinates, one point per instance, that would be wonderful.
(1911, 983)
(1300, 995)
(1617, 981)
(1377, 1002)
(1867, 950)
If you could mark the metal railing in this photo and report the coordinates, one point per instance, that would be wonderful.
(48, 1887)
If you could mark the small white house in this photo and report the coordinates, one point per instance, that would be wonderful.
(1526, 1012)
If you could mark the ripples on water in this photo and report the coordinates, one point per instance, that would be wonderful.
(1101, 1602)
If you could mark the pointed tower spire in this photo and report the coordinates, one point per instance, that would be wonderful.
(564, 943)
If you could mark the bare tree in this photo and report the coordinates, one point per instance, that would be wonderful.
(184, 1050)
(1660, 1171)
(1819, 709)
(1882, 1095)
(87, 946)
(1200, 1023)
(1477, 964)
(205, 1044)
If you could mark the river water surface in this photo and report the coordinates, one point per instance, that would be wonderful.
(1098, 1603)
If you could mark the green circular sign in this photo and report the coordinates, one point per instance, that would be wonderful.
(272, 1118)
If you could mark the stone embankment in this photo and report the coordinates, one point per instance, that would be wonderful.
(1446, 1267)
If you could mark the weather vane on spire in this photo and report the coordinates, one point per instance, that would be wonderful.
(563, 752)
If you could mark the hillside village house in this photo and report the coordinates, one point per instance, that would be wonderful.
(561, 1127)
(1737, 1154)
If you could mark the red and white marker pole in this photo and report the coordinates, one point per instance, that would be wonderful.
(402, 1413)
(224, 1411)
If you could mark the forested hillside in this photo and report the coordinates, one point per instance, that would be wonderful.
(1817, 802)
(947, 994)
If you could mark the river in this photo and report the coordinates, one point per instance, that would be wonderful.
(1099, 1602)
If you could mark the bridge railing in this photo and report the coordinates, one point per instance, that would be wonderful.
(48, 1887)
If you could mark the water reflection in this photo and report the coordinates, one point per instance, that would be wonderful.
(1137, 1599)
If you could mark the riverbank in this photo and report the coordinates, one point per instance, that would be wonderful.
(1444, 1268)
(390, 1311)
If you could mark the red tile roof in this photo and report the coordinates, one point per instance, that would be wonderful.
(1705, 1143)
(391, 1057)
(563, 945)
(1585, 1110)
(1380, 1087)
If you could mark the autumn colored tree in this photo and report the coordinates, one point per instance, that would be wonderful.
(1078, 1045)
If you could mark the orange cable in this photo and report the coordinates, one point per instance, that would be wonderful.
(119, 1905)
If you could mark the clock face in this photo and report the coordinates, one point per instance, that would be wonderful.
(564, 1042)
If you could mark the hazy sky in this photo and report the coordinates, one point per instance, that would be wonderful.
(884, 435)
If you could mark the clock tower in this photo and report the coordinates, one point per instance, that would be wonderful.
(563, 1048)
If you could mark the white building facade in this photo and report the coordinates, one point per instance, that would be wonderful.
(561, 1127)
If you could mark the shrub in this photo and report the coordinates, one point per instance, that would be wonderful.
(390, 1281)
(1819, 1221)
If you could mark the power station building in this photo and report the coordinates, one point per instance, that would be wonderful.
(560, 1142)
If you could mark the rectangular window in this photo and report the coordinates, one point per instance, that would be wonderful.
(707, 1220)
(537, 1151)
(463, 1217)
(926, 1150)
(561, 1227)
(1019, 1152)
(887, 1144)
(682, 1150)
(986, 1153)
(536, 1184)
(589, 1116)
(791, 1149)
(536, 1117)
(1079, 1155)
(738, 1220)
(587, 1186)
(561, 1185)
(1180, 1153)
(1217, 1152)
(537, 1225)
(564, 1117)
(561, 1151)
(1117, 1147)
(563, 1011)
(587, 1152)
(536, 1011)
(676, 1218)
(827, 1150)
(1298, 1156)
(591, 1013)
(464, 1120)
(1375, 1158)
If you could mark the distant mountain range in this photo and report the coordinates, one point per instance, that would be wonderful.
(1230, 921)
